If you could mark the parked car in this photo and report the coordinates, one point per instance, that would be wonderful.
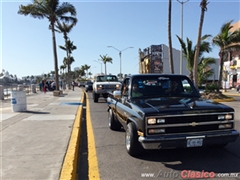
(81, 84)
(88, 86)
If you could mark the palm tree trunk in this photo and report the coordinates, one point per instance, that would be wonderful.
(69, 70)
(55, 57)
(220, 71)
(203, 5)
(105, 68)
(170, 37)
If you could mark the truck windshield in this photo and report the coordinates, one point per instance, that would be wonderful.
(163, 86)
(110, 78)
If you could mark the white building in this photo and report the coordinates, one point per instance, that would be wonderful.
(164, 58)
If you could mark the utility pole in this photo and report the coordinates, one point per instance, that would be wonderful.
(181, 32)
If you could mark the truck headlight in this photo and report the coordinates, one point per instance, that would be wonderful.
(99, 87)
(223, 126)
(225, 117)
(228, 116)
(117, 86)
(151, 121)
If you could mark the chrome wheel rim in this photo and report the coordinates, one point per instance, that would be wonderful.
(128, 141)
(109, 118)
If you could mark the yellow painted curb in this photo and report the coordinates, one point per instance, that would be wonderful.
(93, 171)
(231, 94)
(69, 168)
(223, 100)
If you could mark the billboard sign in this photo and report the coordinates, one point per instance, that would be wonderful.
(156, 59)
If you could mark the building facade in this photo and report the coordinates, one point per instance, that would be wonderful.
(232, 66)
(148, 63)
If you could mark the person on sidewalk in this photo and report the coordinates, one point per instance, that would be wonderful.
(45, 87)
(73, 84)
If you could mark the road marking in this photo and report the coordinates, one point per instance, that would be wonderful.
(93, 171)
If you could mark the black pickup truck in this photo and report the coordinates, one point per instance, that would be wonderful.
(160, 111)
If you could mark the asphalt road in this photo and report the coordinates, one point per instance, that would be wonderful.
(114, 162)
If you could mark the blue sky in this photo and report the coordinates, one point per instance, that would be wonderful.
(26, 42)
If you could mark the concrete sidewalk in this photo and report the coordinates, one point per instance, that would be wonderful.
(231, 92)
(34, 143)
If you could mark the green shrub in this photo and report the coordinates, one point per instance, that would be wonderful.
(211, 87)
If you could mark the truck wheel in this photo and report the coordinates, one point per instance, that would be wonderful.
(95, 97)
(133, 146)
(113, 124)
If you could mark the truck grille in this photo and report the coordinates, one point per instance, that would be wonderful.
(188, 123)
(108, 86)
(189, 119)
(186, 129)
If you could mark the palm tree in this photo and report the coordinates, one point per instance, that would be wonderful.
(86, 68)
(81, 71)
(32, 77)
(189, 51)
(63, 67)
(69, 47)
(53, 11)
(203, 6)
(105, 59)
(226, 41)
(45, 76)
(65, 29)
(204, 70)
(38, 79)
(170, 37)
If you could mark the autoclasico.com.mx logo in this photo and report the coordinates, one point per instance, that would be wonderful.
(189, 174)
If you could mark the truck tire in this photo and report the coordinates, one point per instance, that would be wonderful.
(113, 124)
(95, 97)
(133, 146)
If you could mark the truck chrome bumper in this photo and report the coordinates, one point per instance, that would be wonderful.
(177, 141)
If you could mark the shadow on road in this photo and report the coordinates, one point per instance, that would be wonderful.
(211, 159)
(36, 112)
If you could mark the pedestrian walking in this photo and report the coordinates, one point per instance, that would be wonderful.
(42, 86)
(73, 84)
(45, 88)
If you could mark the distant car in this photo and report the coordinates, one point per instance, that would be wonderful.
(88, 86)
(103, 85)
(81, 84)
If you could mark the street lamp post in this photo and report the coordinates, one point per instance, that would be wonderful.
(181, 30)
(91, 72)
(99, 63)
(120, 56)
